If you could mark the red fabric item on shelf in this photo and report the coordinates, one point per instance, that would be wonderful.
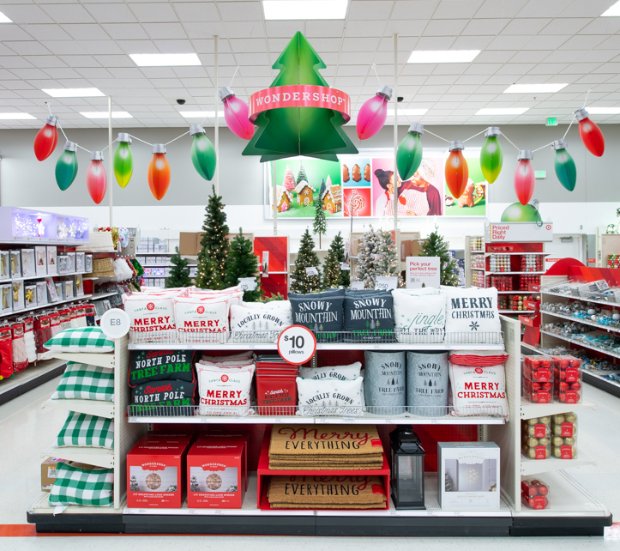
(20, 357)
(6, 353)
(478, 360)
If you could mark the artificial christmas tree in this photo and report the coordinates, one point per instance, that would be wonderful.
(179, 273)
(377, 257)
(303, 282)
(435, 245)
(333, 274)
(242, 262)
(319, 225)
(214, 246)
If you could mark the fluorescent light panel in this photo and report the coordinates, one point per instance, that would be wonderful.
(104, 114)
(165, 60)
(277, 10)
(200, 114)
(73, 92)
(4, 18)
(502, 111)
(16, 117)
(603, 110)
(442, 56)
(612, 11)
(407, 112)
(548, 88)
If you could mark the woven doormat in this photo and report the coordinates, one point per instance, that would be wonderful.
(326, 492)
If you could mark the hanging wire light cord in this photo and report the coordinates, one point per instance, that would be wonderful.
(542, 147)
(475, 135)
(436, 135)
(140, 140)
(108, 146)
(511, 142)
(178, 137)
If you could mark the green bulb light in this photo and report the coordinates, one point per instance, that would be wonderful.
(203, 152)
(565, 168)
(67, 166)
(491, 157)
(123, 160)
(409, 153)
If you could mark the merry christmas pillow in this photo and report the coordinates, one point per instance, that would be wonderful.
(472, 316)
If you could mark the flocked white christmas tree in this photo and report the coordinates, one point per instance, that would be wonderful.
(376, 257)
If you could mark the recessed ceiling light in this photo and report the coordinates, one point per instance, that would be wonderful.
(4, 18)
(442, 56)
(104, 114)
(612, 11)
(407, 112)
(304, 9)
(165, 60)
(73, 92)
(200, 114)
(16, 116)
(548, 88)
(502, 111)
(603, 110)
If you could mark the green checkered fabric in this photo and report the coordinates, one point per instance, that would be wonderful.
(82, 339)
(86, 431)
(86, 487)
(85, 382)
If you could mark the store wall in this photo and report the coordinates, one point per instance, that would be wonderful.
(28, 183)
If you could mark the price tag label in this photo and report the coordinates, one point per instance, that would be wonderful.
(247, 283)
(386, 283)
(115, 323)
(296, 344)
(345, 267)
(312, 271)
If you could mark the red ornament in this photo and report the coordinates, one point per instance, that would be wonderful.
(457, 171)
(159, 172)
(46, 139)
(590, 133)
(96, 178)
(525, 179)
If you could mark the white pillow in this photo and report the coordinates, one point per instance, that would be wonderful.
(202, 318)
(340, 372)
(224, 390)
(419, 318)
(256, 322)
(330, 397)
(472, 316)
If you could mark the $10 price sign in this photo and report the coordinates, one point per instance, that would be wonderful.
(296, 344)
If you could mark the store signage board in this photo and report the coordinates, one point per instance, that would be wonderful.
(115, 323)
(296, 344)
(423, 271)
(386, 283)
(519, 232)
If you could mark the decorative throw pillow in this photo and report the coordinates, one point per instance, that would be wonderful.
(472, 316)
(84, 339)
(88, 431)
(256, 322)
(330, 397)
(369, 315)
(341, 372)
(151, 317)
(84, 486)
(419, 318)
(163, 398)
(320, 312)
(224, 390)
(203, 318)
(85, 382)
(160, 365)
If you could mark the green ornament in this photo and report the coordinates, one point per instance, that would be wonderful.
(409, 153)
(203, 152)
(123, 160)
(293, 131)
(565, 168)
(67, 166)
(521, 213)
(491, 156)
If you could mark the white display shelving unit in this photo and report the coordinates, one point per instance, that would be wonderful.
(566, 515)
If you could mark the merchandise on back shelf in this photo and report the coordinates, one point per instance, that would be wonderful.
(537, 382)
(384, 382)
(42, 332)
(564, 435)
(15, 263)
(536, 437)
(55, 323)
(534, 494)
(20, 356)
(427, 383)
(31, 347)
(52, 259)
(68, 289)
(18, 295)
(30, 296)
(29, 267)
(71, 267)
(6, 298)
(6, 352)
(40, 260)
(502, 283)
(419, 316)
(80, 259)
(88, 263)
(5, 265)
(63, 264)
(41, 293)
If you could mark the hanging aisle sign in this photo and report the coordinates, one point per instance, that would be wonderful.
(300, 95)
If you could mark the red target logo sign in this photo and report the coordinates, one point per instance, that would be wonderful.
(150, 306)
(224, 378)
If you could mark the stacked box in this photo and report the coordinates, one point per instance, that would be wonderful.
(564, 433)
(567, 373)
(534, 494)
(537, 383)
(536, 437)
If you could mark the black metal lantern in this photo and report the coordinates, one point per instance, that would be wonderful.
(407, 478)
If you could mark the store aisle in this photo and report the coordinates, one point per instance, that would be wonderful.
(28, 425)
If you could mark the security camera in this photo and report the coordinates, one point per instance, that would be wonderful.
(181, 101)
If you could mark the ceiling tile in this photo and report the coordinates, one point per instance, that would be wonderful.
(240, 11)
(24, 47)
(67, 13)
(86, 31)
(484, 27)
(368, 10)
(414, 9)
(132, 31)
(196, 11)
(445, 27)
(104, 12)
(500, 8)
(565, 25)
(164, 31)
(153, 12)
(46, 32)
(25, 13)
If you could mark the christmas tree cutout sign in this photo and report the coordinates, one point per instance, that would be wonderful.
(300, 114)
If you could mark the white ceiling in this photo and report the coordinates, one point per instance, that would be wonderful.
(84, 43)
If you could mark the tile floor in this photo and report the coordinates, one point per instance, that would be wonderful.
(28, 424)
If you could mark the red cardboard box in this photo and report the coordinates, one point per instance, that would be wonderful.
(239, 439)
(155, 472)
(215, 474)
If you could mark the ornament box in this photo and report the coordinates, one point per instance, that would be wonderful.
(468, 476)
(18, 295)
(5, 269)
(6, 298)
(88, 263)
(215, 473)
(41, 293)
(80, 262)
(29, 267)
(40, 260)
(15, 260)
(52, 259)
(30, 295)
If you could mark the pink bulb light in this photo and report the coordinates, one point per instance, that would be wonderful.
(525, 179)
(236, 114)
(96, 178)
(373, 113)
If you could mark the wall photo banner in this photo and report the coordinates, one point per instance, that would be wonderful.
(362, 186)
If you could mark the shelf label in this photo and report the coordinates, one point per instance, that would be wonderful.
(296, 344)
(115, 323)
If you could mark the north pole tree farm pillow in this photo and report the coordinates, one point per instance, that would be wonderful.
(160, 365)
(472, 316)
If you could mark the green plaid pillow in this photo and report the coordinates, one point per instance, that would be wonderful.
(85, 382)
(83, 339)
(86, 431)
(80, 486)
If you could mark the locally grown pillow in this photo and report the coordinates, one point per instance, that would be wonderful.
(478, 383)
(472, 316)
(419, 318)
(330, 397)
(160, 365)
(369, 315)
(82, 485)
(86, 431)
(84, 339)
(256, 322)
(224, 390)
(341, 372)
(320, 312)
(85, 382)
